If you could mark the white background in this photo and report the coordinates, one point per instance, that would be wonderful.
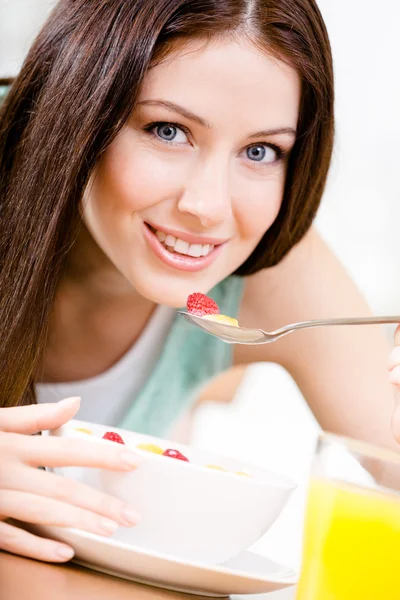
(269, 422)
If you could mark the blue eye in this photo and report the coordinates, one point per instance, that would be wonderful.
(168, 132)
(261, 153)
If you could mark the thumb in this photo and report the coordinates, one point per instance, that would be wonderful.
(38, 417)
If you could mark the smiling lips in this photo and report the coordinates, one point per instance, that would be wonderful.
(177, 245)
(178, 253)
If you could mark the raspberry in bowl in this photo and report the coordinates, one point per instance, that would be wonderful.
(194, 505)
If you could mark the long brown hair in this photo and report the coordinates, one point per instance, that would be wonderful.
(75, 91)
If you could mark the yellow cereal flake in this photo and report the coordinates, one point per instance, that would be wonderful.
(243, 474)
(83, 430)
(216, 467)
(150, 448)
(222, 319)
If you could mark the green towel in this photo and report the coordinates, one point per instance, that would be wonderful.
(189, 359)
(3, 92)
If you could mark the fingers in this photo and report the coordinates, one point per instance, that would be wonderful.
(32, 508)
(72, 492)
(38, 417)
(394, 360)
(18, 541)
(394, 375)
(397, 336)
(396, 423)
(51, 451)
(394, 378)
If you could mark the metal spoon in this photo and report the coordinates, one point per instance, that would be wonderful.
(245, 335)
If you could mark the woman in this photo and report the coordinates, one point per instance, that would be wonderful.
(150, 150)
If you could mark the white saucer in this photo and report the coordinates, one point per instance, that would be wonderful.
(247, 573)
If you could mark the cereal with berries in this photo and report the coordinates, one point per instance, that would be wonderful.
(154, 449)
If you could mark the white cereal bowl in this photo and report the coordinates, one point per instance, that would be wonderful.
(188, 510)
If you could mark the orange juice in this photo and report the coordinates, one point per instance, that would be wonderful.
(351, 544)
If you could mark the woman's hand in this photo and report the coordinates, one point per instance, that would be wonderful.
(394, 378)
(33, 495)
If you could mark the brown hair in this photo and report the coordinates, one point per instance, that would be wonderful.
(76, 89)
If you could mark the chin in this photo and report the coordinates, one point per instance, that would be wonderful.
(170, 291)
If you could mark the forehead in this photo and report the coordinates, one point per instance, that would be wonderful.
(229, 74)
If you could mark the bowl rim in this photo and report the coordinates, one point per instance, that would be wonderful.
(279, 481)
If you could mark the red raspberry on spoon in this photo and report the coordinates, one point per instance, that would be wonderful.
(199, 305)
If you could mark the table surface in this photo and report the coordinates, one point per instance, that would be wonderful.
(24, 579)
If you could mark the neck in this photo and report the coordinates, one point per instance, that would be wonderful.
(91, 273)
(97, 316)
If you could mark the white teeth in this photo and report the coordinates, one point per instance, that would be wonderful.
(181, 246)
(170, 240)
(207, 248)
(161, 235)
(195, 250)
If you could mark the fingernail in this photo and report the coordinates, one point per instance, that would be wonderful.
(108, 526)
(130, 515)
(65, 552)
(129, 459)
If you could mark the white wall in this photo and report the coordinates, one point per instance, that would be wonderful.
(361, 209)
(269, 423)
(20, 21)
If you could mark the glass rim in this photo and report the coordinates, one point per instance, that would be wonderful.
(359, 447)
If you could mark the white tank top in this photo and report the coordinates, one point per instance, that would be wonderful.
(107, 397)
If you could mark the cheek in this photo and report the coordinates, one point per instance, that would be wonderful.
(130, 177)
(257, 206)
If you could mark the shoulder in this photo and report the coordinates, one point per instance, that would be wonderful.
(294, 290)
(265, 288)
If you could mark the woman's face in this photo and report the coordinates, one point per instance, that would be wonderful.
(195, 178)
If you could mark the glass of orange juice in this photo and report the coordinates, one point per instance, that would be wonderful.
(351, 548)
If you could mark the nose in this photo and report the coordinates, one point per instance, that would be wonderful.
(206, 195)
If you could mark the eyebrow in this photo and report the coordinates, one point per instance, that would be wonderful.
(178, 109)
(279, 130)
(193, 117)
